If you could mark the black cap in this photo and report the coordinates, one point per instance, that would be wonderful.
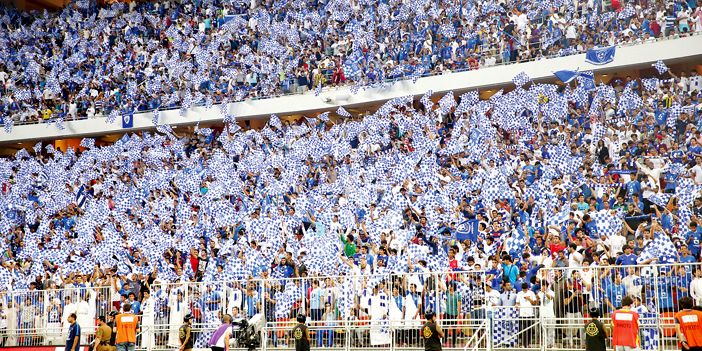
(429, 314)
(594, 312)
(301, 318)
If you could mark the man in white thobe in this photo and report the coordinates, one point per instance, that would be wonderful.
(147, 320)
(379, 307)
(68, 308)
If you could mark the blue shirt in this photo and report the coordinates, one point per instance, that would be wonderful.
(73, 336)
(136, 307)
(615, 293)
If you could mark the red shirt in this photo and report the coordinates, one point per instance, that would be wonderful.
(625, 331)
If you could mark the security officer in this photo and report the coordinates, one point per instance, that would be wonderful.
(301, 334)
(186, 338)
(595, 333)
(432, 332)
(104, 334)
(111, 323)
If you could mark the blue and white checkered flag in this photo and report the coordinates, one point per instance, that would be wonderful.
(342, 112)
(650, 84)
(8, 124)
(154, 119)
(87, 143)
(627, 12)
(275, 122)
(37, 147)
(661, 248)
(112, 117)
(22, 95)
(521, 79)
(417, 73)
(319, 88)
(448, 30)
(324, 116)
(660, 67)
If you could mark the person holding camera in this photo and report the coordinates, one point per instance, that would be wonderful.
(220, 338)
(573, 313)
(301, 334)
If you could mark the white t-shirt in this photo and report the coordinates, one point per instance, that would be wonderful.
(492, 298)
(697, 174)
(616, 242)
(575, 259)
(526, 309)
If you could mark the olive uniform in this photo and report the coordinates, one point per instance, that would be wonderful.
(595, 336)
(183, 334)
(105, 334)
(431, 337)
(300, 335)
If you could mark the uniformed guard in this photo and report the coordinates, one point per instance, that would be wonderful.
(431, 332)
(184, 334)
(301, 334)
(595, 333)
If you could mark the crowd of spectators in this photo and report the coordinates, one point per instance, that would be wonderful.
(556, 178)
(90, 60)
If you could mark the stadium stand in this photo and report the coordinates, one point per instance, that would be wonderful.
(571, 195)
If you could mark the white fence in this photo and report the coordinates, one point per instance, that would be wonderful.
(372, 312)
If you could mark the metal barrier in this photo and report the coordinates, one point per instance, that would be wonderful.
(378, 311)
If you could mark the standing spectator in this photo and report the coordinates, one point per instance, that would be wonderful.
(328, 318)
(147, 318)
(696, 286)
(546, 297)
(525, 301)
(73, 339)
(573, 315)
(27, 321)
(3, 325)
(178, 308)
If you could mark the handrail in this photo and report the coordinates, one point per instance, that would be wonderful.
(483, 326)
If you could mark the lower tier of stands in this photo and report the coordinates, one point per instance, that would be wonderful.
(482, 309)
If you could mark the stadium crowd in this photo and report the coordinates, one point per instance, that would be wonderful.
(91, 60)
(507, 190)
(493, 195)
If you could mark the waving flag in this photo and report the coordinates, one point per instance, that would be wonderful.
(660, 67)
(568, 76)
(342, 112)
(521, 79)
(600, 56)
(467, 230)
(661, 248)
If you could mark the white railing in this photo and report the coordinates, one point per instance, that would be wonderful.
(355, 321)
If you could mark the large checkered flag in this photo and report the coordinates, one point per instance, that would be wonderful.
(660, 67)
(521, 79)
(342, 112)
(661, 248)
